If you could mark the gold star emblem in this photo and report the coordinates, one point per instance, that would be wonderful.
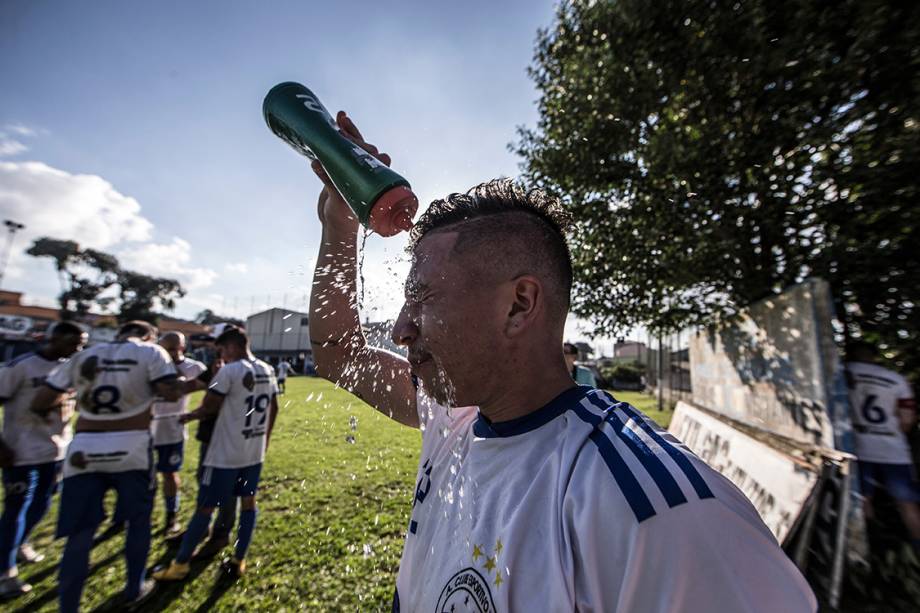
(498, 547)
(477, 553)
(498, 579)
(490, 564)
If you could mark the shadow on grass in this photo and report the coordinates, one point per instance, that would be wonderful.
(51, 594)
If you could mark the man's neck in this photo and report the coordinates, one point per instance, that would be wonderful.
(525, 390)
(45, 352)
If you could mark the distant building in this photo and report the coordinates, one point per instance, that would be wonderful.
(630, 351)
(281, 334)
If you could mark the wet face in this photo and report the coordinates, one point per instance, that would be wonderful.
(450, 322)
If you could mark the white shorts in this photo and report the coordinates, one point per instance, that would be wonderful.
(108, 452)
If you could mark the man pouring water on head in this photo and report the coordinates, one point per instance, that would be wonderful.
(533, 493)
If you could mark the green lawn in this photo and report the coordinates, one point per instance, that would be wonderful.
(647, 404)
(332, 515)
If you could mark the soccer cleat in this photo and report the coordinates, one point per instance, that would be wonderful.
(176, 571)
(28, 555)
(11, 587)
(233, 567)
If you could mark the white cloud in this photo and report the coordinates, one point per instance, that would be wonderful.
(10, 146)
(84, 208)
(89, 210)
(167, 260)
(236, 267)
(18, 128)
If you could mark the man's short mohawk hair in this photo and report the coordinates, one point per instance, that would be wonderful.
(495, 197)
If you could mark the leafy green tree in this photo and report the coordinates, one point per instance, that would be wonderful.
(715, 153)
(208, 317)
(84, 274)
(145, 297)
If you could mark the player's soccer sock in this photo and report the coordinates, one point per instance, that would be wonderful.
(137, 546)
(172, 504)
(74, 568)
(244, 533)
(197, 528)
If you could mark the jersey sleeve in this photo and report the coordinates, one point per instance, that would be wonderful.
(160, 366)
(221, 382)
(273, 381)
(61, 378)
(705, 554)
(10, 380)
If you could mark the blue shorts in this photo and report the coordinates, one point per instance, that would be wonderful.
(82, 499)
(169, 457)
(896, 479)
(220, 484)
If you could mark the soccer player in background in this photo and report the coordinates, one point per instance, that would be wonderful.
(243, 394)
(580, 374)
(31, 450)
(884, 409)
(283, 370)
(533, 493)
(115, 383)
(169, 434)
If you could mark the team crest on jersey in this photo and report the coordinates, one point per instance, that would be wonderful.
(249, 381)
(467, 591)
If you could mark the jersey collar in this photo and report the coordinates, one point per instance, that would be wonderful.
(483, 428)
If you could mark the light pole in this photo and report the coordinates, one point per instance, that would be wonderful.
(12, 228)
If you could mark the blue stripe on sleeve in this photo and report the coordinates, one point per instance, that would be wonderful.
(682, 461)
(656, 469)
(632, 490)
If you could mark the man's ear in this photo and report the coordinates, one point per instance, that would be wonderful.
(526, 303)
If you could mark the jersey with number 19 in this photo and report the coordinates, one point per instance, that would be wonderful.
(248, 387)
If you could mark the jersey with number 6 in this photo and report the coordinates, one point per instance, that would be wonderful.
(875, 395)
(114, 380)
(248, 387)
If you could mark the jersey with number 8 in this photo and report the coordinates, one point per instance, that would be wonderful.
(114, 380)
(239, 433)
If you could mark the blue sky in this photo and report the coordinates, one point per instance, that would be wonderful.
(136, 127)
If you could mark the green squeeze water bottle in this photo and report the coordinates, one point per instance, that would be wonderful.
(381, 199)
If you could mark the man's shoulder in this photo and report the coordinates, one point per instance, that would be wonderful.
(192, 367)
(876, 373)
(21, 360)
(625, 459)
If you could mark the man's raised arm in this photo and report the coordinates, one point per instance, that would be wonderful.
(340, 351)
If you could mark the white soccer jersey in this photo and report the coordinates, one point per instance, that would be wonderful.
(283, 369)
(166, 427)
(584, 505)
(33, 439)
(114, 380)
(874, 396)
(248, 387)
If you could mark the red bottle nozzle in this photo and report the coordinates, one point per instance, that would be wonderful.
(393, 211)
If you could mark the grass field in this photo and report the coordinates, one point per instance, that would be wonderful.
(332, 515)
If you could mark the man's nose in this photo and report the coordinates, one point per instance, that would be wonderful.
(404, 330)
